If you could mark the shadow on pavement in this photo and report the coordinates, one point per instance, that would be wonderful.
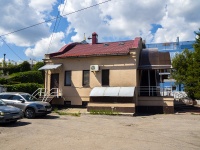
(186, 108)
(47, 117)
(143, 114)
(16, 124)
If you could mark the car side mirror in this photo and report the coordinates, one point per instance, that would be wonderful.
(22, 100)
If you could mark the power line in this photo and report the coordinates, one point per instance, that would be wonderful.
(61, 14)
(54, 18)
(56, 28)
(10, 48)
(45, 22)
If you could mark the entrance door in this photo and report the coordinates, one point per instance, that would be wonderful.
(54, 80)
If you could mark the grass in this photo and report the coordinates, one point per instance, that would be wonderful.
(195, 113)
(66, 113)
(103, 112)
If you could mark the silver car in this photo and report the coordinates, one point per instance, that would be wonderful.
(9, 113)
(29, 104)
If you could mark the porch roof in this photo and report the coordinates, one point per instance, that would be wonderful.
(151, 58)
(112, 92)
(50, 67)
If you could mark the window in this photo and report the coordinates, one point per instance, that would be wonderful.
(6, 96)
(67, 78)
(86, 77)
(105, 77)
(16, 97)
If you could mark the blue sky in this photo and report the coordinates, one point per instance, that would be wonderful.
(113, 20)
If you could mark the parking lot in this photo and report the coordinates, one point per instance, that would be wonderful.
(89, 132)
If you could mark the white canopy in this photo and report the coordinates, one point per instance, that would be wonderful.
(49, 67)
(112, 91)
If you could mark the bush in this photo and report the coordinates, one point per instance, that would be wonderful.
(25, 66)
(27, 77)
(10, 69)
(37, 66)
(3, 81)
(24, 87)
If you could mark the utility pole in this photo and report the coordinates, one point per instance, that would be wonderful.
(31, 62)
(4, 55)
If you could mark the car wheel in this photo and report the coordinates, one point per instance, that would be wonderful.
(29, 113)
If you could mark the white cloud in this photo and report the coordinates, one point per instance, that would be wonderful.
(114, 20)
(17, 14)
(2, 59)
(181, 20)
(119, 19)
(42, 5)
(43, 46)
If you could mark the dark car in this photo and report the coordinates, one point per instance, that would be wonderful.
(9, 113)
(30, 105)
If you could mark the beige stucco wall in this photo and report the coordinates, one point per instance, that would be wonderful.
(123, 72)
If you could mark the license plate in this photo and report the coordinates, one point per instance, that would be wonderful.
(16, 116)
(49, 109)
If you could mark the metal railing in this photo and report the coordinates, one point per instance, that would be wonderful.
(45, 94)
(161, 91)
(154, 91)
(40, 92)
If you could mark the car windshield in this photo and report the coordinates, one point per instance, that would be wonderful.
(2, 103)
(29, 98)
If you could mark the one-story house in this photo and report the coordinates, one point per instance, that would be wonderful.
(121, 76)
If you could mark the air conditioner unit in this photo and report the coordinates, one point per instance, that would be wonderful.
(94, 68)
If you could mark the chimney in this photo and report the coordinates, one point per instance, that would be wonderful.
(94, 38)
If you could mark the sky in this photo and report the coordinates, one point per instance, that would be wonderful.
(29, 28)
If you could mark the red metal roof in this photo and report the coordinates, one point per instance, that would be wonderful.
(99, 49)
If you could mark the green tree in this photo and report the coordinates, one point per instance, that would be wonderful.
(196, 68)
(37, 66)
(25, 66)
(187, 69)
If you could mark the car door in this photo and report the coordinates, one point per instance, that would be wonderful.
(18, 101)
(7, 98)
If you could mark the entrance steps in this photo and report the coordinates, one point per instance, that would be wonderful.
(47, 98)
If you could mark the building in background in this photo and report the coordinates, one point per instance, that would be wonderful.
(173, 48)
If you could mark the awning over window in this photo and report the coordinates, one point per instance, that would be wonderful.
(49, 67)
(112, 92)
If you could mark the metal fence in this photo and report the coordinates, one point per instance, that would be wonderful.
(161, 91)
